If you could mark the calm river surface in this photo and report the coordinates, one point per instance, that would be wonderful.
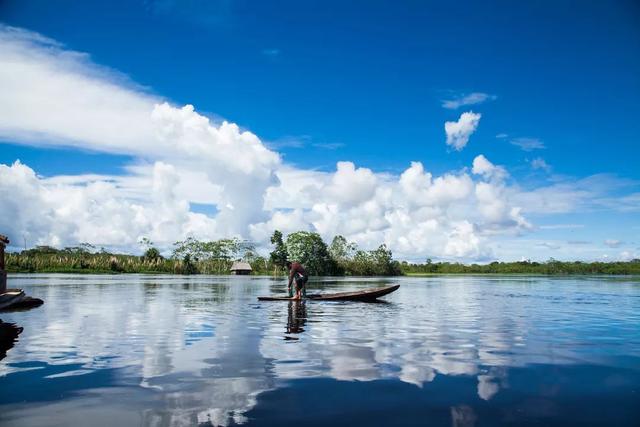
(139, 350)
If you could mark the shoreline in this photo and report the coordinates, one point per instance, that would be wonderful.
(406, 275)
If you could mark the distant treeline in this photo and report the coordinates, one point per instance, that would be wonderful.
(189, 256)
(192, 256)
(550, 267)
(339, 258)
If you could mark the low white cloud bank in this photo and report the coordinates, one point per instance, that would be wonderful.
(45, 212)
(458, 133)
(55, 97)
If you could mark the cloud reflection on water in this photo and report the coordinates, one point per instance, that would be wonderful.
(202, 348)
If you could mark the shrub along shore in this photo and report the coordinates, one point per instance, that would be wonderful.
(340, 258)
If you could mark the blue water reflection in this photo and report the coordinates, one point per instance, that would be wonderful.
(178, 351)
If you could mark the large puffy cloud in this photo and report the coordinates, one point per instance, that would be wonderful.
(237, 161)
(493, 201)
(415, 213)
(458, 132)
(53, 96)
(351, 186)
(420, 189)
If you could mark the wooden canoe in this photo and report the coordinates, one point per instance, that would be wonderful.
(365, 295)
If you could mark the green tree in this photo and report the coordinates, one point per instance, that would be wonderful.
(151, 254)
(259, 264)
(41, 250)
(246, 250)
(341, 250)
(190, 246)
(223, 249)
(383, 262)
(188, 267)
(311, 251)
(279, 254)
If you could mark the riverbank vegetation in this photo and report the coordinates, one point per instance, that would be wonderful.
(340, 257)
(550, 267)
(189, 256)
(192, 256)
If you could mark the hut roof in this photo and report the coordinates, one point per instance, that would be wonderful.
(240, 265)
(4, 239)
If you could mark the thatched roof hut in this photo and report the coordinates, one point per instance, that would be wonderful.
(241, 267)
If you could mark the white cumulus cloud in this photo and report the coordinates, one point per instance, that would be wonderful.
(458, 132)
(482, 166)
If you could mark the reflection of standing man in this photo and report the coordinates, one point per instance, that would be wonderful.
(299, 274)
(296, 318)
(3, 274)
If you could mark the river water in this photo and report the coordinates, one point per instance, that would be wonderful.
(142, 350)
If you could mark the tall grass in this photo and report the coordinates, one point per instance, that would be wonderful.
(112, 263)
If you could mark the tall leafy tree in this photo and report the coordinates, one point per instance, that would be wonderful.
(150, 252)
(341, 250)
(311, 251)
(279, 254)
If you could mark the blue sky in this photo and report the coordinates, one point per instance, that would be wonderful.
(365, 82)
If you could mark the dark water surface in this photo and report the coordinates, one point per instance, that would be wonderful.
(135, 350)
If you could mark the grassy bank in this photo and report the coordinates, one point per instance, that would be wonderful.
(100, 263)
(116, 263)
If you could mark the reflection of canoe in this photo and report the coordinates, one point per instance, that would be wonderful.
(8, 335)
(10, 297)
(365, 295)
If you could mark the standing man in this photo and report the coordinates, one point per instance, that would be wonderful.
(299, 274)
